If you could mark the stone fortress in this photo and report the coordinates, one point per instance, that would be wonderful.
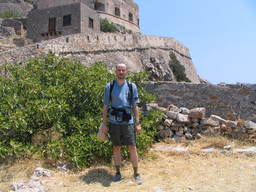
(71, 28)
(53, 18)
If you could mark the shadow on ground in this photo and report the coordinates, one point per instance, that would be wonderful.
(97, 176)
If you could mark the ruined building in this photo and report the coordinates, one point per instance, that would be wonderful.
(53, 18)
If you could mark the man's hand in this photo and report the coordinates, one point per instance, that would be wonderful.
(104, 128)
(138, 128)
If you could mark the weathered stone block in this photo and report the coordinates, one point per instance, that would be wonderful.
(184, 110)
(172, 115)
(218, 118)
(168, 122)
(197, 113)
(182, 118)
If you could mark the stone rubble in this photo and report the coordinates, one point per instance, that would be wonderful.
(188, 124)
(35, 183)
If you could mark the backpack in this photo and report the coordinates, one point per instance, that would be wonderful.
(130, 94)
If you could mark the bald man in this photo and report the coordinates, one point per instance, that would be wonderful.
(121, 111)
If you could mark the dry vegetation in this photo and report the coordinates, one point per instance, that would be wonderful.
(168, 171)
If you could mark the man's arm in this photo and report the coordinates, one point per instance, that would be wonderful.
(137, 118)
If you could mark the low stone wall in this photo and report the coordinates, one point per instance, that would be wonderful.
(231, 102)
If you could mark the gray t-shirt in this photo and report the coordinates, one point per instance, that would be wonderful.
(119, 99)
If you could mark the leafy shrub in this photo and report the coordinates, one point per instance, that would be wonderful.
(53, 94)
(9, 14)
(105, 26)
(178, 69)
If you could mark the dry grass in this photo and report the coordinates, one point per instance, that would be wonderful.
(171, 172)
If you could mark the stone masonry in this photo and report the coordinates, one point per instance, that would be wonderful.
(231, 102)
(53, 18)
(140, 52)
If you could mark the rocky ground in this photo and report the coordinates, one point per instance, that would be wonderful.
(162, 170)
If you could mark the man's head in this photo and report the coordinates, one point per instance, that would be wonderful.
(121, 71)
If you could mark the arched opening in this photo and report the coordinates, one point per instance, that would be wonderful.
(117, 12)
(99, 6)
(130, 17)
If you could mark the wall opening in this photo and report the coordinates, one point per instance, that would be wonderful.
(131, 17)
(90, 23)
(117, 12)
(99, 6)
(52, 25)
(66, 20)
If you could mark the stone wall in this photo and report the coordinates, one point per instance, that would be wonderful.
(79, 13)
(141, 53)
(228, 101)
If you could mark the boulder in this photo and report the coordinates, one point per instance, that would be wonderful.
(172, 115)
(182, 118)
(184, 110)
(250, 125)
(173, 108)
(232, 124)
(165, 133)
(218, 118)
(209, 122)
(168, 122)
(197, 113)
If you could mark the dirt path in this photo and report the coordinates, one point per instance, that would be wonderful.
(161, 171)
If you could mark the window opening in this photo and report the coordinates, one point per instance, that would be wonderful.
(66, 20)
(90, 23)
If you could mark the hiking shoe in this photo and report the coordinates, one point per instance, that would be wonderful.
(138, 179)
(117, 177)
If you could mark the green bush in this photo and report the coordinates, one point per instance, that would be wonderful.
(54, 95)
(105, 26)
(9, 14)
(178, 69)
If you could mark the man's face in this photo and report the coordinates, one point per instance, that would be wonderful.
(121, 71)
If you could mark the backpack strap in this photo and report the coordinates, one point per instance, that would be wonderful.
(110, 90)
(130, 94)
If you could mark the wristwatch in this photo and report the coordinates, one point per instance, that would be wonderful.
(137, 123)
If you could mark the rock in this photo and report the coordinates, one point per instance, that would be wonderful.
(172, 115)
(6, 31)
(195, 125)
(165, 133)
(217, 118)
(184, 110)
(168, 122)
(199, 136)
(182, 118)
(31, 186)
(250, 125)
(209, 122)
(232, 124)
(170, 148)
(197, 113)
(179, 133)
(227, 147)
(173, 108)
(250, 150)
(210, 150)
(41, 172)
(188, 136)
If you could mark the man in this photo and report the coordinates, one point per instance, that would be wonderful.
(120, 100)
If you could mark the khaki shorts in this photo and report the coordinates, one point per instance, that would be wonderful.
(122, 134)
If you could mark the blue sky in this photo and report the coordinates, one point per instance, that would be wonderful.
(221, 34)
